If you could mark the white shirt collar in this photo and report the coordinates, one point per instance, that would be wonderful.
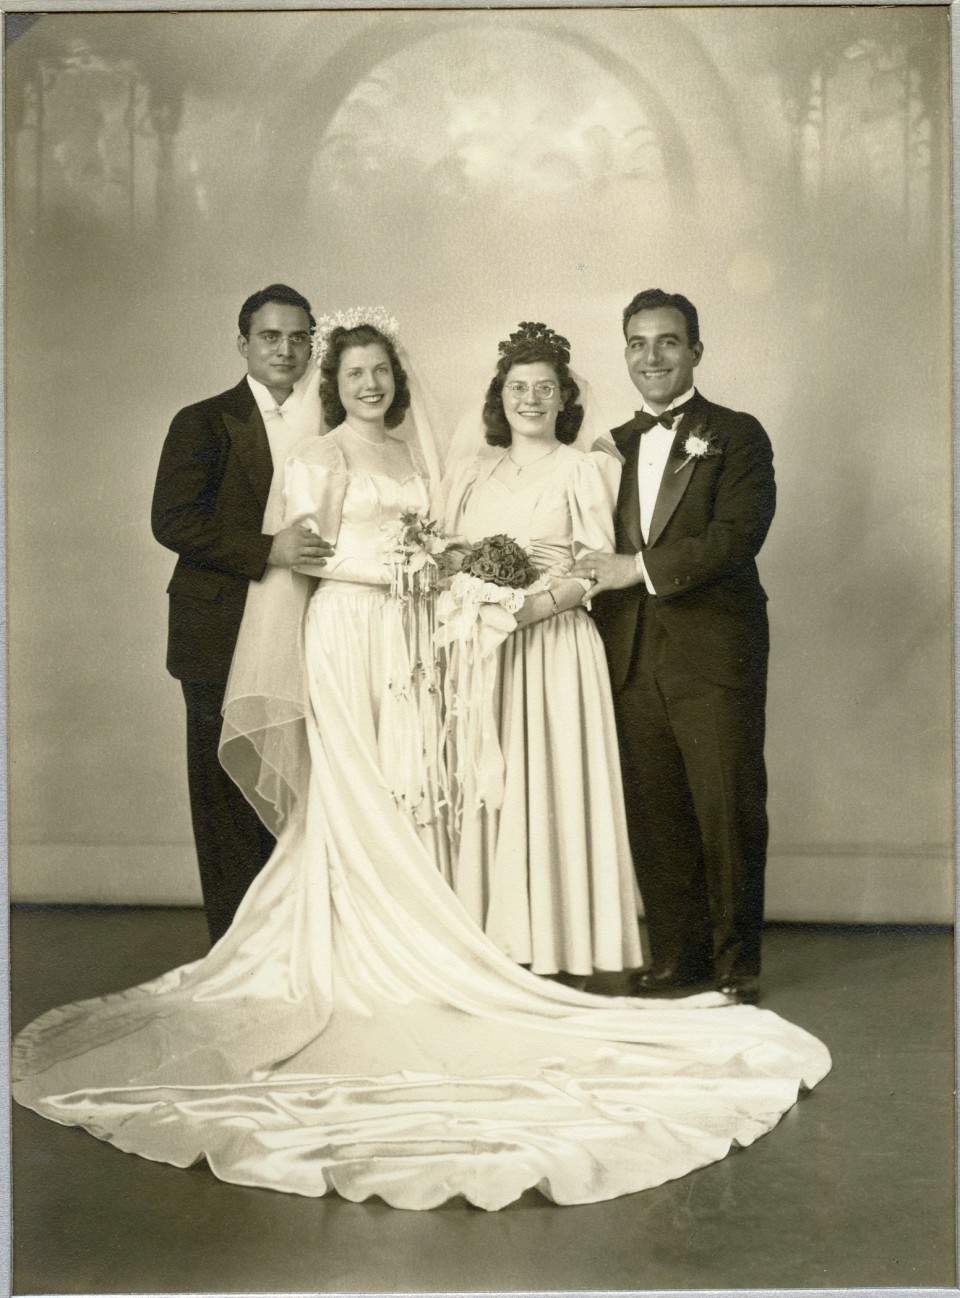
(677, 401)
(266, 403)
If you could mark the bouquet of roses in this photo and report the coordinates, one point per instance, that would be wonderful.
(500, 561)
(496, 571)
(495, 576)
(475, 616)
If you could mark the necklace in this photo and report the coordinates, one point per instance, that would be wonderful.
(519, 468)
(370, 441)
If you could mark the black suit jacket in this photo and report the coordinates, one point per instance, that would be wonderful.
(711, 517)
(208, 505)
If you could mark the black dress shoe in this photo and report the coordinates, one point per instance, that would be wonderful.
(669, 983)
(744, 990)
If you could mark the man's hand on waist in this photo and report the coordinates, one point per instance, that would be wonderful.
(297, 545)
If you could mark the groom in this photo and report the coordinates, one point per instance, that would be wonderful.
(208, 504)
(685, 629)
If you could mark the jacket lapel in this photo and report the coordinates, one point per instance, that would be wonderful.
(627, 439)
(248, 436)
(677, 474)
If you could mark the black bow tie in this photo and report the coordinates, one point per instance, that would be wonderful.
(645, 421)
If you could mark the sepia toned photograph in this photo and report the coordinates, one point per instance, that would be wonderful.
(479, 490)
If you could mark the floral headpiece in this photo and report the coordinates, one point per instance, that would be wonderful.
(534, 332)
(376, 316)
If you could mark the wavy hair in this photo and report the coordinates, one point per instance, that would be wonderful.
(530, 351)
(361, 336)
(652, 298)
(282, 294)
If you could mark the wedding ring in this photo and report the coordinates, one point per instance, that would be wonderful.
(593, 574)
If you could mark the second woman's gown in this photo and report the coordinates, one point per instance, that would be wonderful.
(355, 1031)
(548, 874)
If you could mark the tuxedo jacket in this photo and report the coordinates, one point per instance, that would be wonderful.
(208, 505)
(710, 520)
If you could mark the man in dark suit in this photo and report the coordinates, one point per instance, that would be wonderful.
(685, 629)
(208, 505)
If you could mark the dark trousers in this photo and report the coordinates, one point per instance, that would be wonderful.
(232, 843)
(696, 787)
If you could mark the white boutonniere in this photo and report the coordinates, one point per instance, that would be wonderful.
(697, 448)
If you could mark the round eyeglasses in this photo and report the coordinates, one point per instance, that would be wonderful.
(273, 338)
(542, 390)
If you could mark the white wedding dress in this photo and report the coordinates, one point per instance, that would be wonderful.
(355, 1031)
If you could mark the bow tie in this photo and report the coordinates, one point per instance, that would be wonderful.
(645, 421)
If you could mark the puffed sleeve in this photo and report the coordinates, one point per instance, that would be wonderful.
(592, 490)
(457, 485)
(314, 483)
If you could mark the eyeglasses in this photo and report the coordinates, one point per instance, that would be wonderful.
(542, 390)
(273, 338)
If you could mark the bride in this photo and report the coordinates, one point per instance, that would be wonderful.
(354, 1030)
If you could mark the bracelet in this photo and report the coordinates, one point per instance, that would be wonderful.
(556, 606)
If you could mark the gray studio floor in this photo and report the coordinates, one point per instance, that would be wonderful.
(854, 1187)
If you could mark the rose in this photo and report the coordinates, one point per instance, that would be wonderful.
(500, 560)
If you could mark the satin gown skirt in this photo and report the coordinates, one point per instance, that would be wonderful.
(548, 875)
(355, 1031)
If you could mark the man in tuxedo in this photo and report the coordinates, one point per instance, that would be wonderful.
(683, 617)
(208, 505)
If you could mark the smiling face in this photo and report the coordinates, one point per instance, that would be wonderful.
(278, 348)
(532, 400)
(659, 356)
(365, 383)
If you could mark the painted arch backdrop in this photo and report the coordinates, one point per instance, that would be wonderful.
(786, 168)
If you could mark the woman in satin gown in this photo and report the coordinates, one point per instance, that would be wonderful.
(354, 1030)
(547, 873)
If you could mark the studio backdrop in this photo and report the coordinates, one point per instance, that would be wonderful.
(786, 168)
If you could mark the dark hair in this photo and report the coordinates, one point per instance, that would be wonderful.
(280, 293)
(529, 351)
(651, 298)
(360, 336)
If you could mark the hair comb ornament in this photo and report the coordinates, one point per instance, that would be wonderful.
(376, 316)
(528, 331)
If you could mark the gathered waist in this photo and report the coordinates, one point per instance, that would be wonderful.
(330, 587)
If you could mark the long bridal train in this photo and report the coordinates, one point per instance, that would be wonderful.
(355, 1031)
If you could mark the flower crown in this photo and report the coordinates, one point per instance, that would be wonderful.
(533, 332)
(376, 316)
